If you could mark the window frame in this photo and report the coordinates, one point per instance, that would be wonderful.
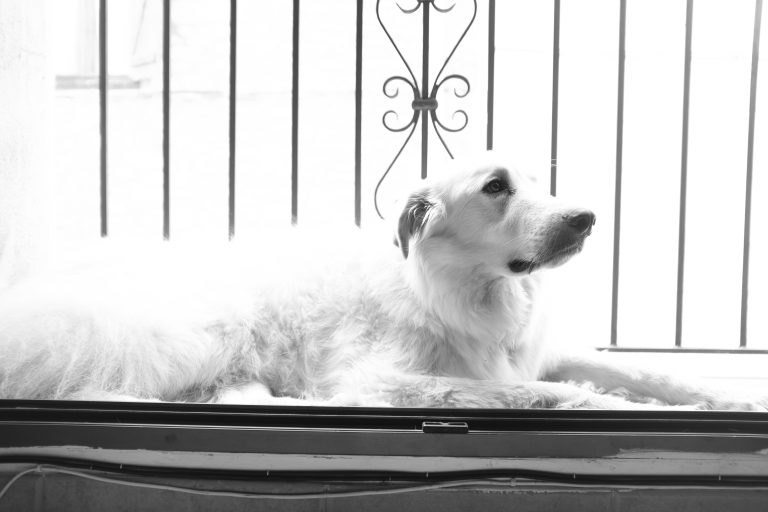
(662, 448)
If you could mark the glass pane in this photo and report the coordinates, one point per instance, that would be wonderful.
(447, 315)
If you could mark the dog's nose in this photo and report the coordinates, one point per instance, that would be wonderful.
(581, 222)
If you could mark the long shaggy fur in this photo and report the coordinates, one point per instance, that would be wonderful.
(452, 317)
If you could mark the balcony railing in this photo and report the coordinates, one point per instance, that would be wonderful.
(427, 111)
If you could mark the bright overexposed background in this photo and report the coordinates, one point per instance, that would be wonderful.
(717, 161)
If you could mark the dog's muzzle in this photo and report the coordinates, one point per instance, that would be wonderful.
(522, 266)
(568, 239)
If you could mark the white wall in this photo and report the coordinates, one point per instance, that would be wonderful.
(24, 108)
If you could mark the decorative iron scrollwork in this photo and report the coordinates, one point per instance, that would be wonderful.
(424, 105)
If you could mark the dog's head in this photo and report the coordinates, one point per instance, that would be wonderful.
(493, 218)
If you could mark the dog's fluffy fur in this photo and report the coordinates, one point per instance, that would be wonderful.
(451, 317)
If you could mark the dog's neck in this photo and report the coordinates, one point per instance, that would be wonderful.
(482, 315)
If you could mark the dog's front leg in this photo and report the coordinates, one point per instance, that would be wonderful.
(640, 383)
(432, 391)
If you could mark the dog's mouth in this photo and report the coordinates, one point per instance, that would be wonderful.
(522, 266)
(551, 259)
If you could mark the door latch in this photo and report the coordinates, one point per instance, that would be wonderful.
(444, 427)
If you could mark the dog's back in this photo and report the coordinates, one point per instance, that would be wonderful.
(176, 321)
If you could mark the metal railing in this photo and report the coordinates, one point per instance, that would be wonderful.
(425, 111)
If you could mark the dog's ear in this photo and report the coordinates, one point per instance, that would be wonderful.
(413, 219)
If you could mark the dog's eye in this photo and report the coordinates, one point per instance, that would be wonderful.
(495, 186)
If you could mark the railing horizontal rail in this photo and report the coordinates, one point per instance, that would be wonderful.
(683, 350)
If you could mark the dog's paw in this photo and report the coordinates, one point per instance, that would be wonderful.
(733, 404)
(356, 400)
(761, 404)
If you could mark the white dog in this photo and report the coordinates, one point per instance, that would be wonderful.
(449, 318)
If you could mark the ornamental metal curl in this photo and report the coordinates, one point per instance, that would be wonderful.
(393, 94)
(424, 102)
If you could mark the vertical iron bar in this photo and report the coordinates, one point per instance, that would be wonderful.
(555, 87)
(425, 89)
(358, 109)
(166, 118)
(232, 111)
(683, 174)
(103, 77)
(750, 155)
(619, 162)
(491, 69)
(295, 118)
